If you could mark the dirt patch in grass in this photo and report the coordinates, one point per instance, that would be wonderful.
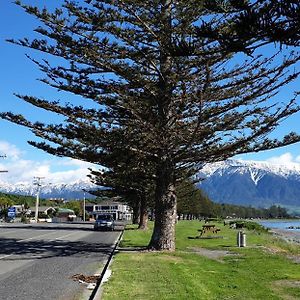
(278, 250)
(212, 254)
(294, 258)
(274, 250)
(285, 288)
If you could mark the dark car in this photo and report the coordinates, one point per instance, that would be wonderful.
(104, 222)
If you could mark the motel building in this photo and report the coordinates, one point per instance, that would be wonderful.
(119, 210)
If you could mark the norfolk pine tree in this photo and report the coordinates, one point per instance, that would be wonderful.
(129, 178)
(181, 83)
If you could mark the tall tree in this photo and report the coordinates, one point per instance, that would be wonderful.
(180, 82)
(131, 179)
(192, 201)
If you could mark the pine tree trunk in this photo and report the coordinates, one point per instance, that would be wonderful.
(163, 236)
(136, 213)
(143, 224)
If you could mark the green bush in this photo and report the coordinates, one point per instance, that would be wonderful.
(249, 225)
(24, 219)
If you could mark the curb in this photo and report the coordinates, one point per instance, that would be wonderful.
(97, 290)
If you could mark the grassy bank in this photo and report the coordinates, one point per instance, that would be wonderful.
(205, 268)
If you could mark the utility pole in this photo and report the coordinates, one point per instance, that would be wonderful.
(37, 182)
(83, 206)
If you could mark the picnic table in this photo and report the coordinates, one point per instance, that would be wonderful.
(209, 228)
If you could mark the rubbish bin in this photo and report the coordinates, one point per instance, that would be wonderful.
(241, 239)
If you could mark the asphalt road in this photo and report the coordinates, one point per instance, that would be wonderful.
(38, 261)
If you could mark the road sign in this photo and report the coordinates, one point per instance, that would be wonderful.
(11, 213)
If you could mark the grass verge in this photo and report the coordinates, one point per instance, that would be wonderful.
(205, 268)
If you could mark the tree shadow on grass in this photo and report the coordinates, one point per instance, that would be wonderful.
(127, 246)
(133, 249)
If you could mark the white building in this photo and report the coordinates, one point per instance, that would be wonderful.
(119, 210)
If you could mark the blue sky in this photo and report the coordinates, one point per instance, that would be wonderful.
(18, 75)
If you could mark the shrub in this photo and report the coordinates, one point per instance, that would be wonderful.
(249, 225)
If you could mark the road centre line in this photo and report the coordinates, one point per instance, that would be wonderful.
(28, 239)
(5, 256)
(34, 237)
(63, 236)
(7, 232)
(37, 237)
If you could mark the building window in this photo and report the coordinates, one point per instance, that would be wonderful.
(104, 207)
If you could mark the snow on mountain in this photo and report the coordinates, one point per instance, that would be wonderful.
(256, 168)
(72, 190)
(252, 183)
(259, 184)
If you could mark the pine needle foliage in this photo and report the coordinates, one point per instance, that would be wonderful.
(178, 83)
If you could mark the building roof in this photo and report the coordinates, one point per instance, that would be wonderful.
(107, 202)
(65, 210)
(42, 208)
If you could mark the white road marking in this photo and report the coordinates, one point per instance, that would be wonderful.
(63, 236)
(34, 237)
(5, 256)
(8, 231)
(38, 236)
(24, 240)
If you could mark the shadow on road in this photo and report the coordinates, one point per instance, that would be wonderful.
(61, 226)
(41, 249)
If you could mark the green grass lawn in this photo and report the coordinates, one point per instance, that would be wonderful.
(262, 270)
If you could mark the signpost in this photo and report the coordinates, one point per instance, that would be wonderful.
(11, 213)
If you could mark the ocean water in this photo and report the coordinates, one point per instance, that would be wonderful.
(288, 225)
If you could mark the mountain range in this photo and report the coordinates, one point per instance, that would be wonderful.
(259, 184)
(72, 190)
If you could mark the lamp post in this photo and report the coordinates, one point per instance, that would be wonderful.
(38, 184)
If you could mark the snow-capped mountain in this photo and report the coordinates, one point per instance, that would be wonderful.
(73, 190)
(259, 184)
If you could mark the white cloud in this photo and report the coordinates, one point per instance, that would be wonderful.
(76, 162)
(11, 151)
(284, 159)
(55, 170)
(68, 176)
